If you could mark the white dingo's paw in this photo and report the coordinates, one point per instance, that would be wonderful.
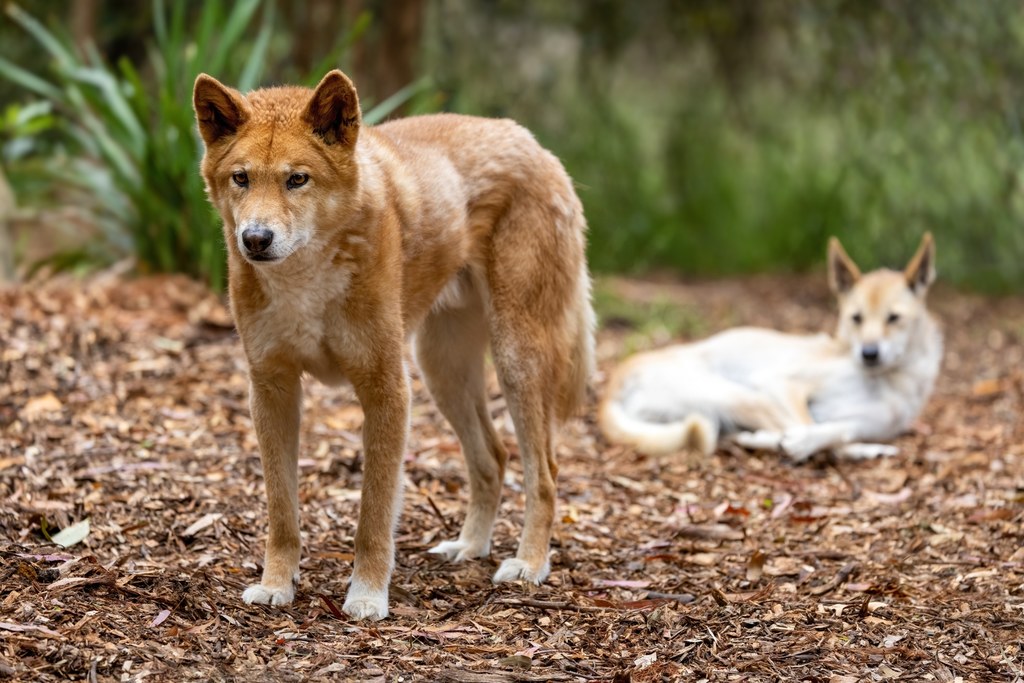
(868, 451)
(269, 595)
(761, 440)
(460, 551)
(799, 446)
(514, 569)
(364, 603)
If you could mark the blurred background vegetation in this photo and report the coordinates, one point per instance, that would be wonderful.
(707, 137)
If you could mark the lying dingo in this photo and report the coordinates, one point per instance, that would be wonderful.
(792, 393)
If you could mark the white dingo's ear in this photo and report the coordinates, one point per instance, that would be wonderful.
(843, 273)
(920, 272)
(220, 110)
(333, 111)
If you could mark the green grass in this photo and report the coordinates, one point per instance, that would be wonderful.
(651, 323)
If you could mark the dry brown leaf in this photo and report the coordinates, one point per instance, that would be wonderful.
(755, 566)
(203, 522)
(40, 406)
(987, 388)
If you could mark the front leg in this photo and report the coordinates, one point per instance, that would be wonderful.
(803, 441)
(384, 394)
(275, 400)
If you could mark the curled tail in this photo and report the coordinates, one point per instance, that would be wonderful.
(696, 432)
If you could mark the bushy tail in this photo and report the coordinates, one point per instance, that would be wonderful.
(573, 392)
(695, 433)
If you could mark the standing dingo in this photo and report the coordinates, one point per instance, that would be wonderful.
(793, 393)
(343, 240)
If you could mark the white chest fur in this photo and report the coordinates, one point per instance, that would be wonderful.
(303, 312)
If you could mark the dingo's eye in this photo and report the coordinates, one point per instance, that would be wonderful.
(241, 178)
(857, 318)
(893, 318)
(297, 180)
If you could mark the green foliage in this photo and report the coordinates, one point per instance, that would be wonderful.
(706, 136)
(21, 127)
(129, 142)
(717, 137)
(764, 187)
(126, 143)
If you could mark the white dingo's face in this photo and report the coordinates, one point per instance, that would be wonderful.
(879, 313)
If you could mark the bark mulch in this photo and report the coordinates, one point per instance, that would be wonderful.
(124, 403)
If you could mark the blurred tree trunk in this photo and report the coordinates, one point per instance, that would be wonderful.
(736, 30)
(83, 21)
(319, 24)
(384, 60)
(6, 240)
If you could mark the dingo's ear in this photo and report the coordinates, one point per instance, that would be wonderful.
(843, 273)
(220, 110)
(920, 272)
(333, 112)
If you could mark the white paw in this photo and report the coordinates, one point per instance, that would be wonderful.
(868, 451)
(459, 551)
(761, 440)
(267, 595)
(514, 569)
(363, 603)
(798, 446)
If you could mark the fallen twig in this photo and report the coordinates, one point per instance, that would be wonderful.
(840, 576)
(331, 607)
(546, 604)
(678, 597)
(440, 515)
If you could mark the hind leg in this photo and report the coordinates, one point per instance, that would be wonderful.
(526, 383)
(450, 350)
(538, 315)
(531, 358)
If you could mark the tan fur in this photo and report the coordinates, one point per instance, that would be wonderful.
(796, 394)
(459, 231)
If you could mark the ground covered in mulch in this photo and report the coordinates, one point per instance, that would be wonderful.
(124, 403)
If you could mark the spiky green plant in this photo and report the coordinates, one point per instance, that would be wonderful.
(127, 134)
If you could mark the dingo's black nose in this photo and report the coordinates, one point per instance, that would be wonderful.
(257, 240)
(870, 354)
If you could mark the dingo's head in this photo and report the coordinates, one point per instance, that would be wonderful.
(880, 312)
(279, 162)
